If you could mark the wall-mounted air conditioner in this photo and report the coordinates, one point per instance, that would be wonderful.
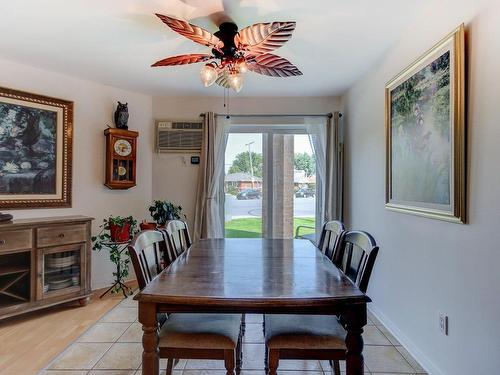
(179, 136)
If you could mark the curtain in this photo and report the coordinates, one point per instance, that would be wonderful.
(209, 209)
(324, 136)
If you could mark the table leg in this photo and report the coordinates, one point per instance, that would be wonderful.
(150, 354)
(355, 320)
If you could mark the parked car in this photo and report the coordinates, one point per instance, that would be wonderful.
(249, 194)
(305, 193)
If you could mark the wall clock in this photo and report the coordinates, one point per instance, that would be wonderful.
(121, 158)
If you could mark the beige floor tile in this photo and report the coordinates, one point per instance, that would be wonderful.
(194, 364)
(132, 334)
(104, 332)
(80, 356)
(373, 336)
(373, 318)
(390, 337)
(175, 372)
(252, 372)
(129, 302)
(385, 359)
(298, 365)
(64, 372)
(327, 370)
(121, 356)
(253, 356)
(121, 315)
(412, 361)
(111, 372)
(253, 318)
(178, 366)
(253, 333)
(204, 372)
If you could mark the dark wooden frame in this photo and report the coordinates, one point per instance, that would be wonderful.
(67, 151)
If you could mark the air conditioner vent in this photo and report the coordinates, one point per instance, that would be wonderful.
(179, 136)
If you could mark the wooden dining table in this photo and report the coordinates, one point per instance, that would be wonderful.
(263, 276)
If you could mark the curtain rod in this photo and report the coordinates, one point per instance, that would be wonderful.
(329, 115)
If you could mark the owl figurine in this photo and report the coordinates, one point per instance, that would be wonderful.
(121, 116)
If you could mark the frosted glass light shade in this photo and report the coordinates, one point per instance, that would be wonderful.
(208, 75)
(236, 81)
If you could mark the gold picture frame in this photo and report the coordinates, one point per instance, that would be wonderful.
(36, 143)
(425, 134)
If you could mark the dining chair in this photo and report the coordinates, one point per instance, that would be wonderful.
(186, 336)
(329, 239)
(321, 337)
(177, 238)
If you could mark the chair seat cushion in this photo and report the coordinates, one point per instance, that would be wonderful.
(201, 331)
(304, 332)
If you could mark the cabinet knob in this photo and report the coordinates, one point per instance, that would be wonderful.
(2, 242)
(61, 235)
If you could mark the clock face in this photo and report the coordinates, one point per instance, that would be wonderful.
(123, 147)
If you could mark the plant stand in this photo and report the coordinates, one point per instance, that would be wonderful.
(116, 250)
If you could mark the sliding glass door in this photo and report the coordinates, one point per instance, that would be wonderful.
(270, 182)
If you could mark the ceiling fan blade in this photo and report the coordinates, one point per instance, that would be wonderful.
(183, 59)
(272, 65)
(222, 80)
(264, 37)
(195, 33)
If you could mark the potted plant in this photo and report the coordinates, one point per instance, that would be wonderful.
(163, 211)
(116, 229)
(114, 234)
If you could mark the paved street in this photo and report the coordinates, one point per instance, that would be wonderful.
(253, 207)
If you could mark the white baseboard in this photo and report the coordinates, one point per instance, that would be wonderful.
(421, 358)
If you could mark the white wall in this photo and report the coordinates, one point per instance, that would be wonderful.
(427, 266)
(94, 106)
(174, 178)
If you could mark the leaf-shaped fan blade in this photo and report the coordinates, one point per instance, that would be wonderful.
(183, 59)
(272, 65)
(222, 80)
(195, 33)
(264, 37)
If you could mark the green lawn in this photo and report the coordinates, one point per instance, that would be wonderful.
(252, 227)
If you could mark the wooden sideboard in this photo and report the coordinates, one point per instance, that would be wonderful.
(44, 262)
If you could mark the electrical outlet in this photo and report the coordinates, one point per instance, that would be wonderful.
(443, 323)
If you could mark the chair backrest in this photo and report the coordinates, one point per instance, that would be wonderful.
(147, 251)
(356, 257)
(177, 238)
(329, 239)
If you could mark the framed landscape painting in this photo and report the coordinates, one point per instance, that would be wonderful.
(35, 150)
(425, 130)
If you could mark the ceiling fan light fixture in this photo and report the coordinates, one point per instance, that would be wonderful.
(242, 67)
(236, 81)
(208, 74)
(233, 52)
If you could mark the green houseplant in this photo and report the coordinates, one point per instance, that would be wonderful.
(163, 211)
(114, 234)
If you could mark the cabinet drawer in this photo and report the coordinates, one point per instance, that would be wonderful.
(15, 240)
(61, 235)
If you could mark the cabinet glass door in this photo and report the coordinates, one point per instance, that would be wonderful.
(62, 270)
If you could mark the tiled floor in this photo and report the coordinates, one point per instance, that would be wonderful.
(113, 347)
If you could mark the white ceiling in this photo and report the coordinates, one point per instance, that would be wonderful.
(116, 41)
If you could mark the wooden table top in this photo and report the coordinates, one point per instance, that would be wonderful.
(253, 275)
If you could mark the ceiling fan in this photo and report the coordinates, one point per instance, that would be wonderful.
(234, 52)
